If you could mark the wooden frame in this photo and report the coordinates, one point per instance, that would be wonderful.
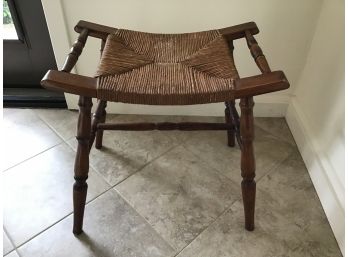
(241, 128)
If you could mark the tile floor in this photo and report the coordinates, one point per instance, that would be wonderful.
(156, 193)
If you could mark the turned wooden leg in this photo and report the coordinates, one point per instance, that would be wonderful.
(81, 162)
(235, 120)
(248, 161)
(100, 133)
(98, 117)
(230, 133)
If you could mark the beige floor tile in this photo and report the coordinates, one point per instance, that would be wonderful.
(211, 148)
(179, 196)
(112, 229)
(25, 135)
(7, 245)
(125, 152)
(304, 227)
(12, 254)
(62, 121)
(277, 127)
(38, 192)
(289, 222)
(228, 238)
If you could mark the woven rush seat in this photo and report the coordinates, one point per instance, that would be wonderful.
(166, 69)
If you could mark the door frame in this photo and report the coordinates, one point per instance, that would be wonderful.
(28, 92)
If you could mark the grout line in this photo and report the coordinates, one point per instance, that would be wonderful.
(88, 202)
(71, 213)
(10, 239)
(146, 164)
(210, 167)
(35, 155)
(133, 207)
(284, 140)
(229, 207)
(94, 198)
(50, 126)
(42, 231)
(90, 164)
(136, 171)
(214, 220)
(296, 151)
(257, 178)
(10, 252)
(212, 223)
(147, 222)
(59, 220)
(125, 199)
(272, 170)
(180, 142)
(51, 129)
(17, 252)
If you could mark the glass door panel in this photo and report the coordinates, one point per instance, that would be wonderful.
(9, 28)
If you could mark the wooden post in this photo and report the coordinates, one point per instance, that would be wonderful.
(75, 51)
(98, 117)
(100, 133)
(235, 120)
(248, 161)
(81, 162)
(230, 132)
(257, 53)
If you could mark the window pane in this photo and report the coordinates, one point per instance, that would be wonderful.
(8, 26)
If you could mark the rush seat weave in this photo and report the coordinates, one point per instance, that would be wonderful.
(166, 69)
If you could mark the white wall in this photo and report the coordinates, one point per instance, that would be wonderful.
(286, 32)
(316, 113)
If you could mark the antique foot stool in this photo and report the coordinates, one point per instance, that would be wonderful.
(166, 69)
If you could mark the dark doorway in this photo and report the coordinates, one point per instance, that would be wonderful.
(28, 54)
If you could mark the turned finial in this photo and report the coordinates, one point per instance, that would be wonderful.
(75, 51)
(257, 53)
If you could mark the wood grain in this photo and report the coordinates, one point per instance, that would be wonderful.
(187, 126)
(81, 167)
(231, 132)
(98, 117)
(248, 161)
(256, 52)
(230, 33)
(75, 51)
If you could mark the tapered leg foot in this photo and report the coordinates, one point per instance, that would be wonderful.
(248, 161)
(81, 162)
(99, 139)
(79, 198)
(249, 193)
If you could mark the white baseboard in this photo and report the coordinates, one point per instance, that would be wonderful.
(265, 106)
(329, 190)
